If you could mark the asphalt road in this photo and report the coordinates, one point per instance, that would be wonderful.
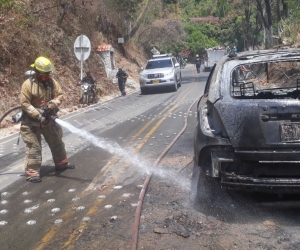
(114, 145)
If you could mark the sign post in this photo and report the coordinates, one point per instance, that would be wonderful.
(82, 50)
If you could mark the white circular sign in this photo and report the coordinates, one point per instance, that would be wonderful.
(82, 47)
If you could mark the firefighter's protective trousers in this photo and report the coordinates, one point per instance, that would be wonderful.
(32, 136)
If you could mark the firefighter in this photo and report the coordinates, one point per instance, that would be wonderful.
(40, 98)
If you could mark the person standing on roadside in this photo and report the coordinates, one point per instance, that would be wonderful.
(198, 63)
(122, 78)
(40, 98)
(181, 62)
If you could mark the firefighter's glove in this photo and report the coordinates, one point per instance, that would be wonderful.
(51, 105)
(42, 119)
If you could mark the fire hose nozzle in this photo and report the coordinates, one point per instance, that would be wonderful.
(53, 117)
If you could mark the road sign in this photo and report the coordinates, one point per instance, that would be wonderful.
(82, 50)
(82, 47)
(121, 40)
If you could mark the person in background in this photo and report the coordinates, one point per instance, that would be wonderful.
(181, 62)
(198, 63)
(40, 98)
(90, 79)
(122, 78)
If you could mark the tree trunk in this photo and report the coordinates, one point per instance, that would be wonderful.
(264, 8)
(284, 8)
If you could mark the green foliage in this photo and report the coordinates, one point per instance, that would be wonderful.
(170, 1)
(240, 23)
(222, 8)
(197, 42)
(26, 21)
(129, 7)
(200, 36)
(294, 9)
(231, 29)
(189, 8)
(6, 4)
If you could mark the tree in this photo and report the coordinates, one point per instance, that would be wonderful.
(197, 41)
(264, 8)
(170, 1)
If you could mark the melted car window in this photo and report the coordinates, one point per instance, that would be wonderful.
(159, 64)
(266, 80)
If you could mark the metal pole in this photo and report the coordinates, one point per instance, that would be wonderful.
(81, 73)
(81, 61)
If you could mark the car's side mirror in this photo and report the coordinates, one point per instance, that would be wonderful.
(176, 64)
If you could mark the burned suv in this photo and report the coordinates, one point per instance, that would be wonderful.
(248, 129)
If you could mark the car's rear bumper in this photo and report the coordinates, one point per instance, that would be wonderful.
(263, 174)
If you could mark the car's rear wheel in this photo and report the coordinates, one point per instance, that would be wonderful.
(204, 188)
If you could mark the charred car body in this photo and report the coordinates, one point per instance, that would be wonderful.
(248, 129)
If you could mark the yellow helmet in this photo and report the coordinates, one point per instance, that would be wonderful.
(197, 55)
(43, 65)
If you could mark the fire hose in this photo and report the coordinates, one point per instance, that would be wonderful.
(8, 111)
(134, 239)
(47, 113)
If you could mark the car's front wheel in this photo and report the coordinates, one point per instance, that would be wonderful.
(143, 91)
(179, 82)
(175, 86)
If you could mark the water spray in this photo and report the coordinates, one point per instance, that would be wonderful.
(115, 149)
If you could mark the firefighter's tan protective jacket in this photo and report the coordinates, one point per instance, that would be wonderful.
(35, 96)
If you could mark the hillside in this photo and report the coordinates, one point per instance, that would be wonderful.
(31, 28)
